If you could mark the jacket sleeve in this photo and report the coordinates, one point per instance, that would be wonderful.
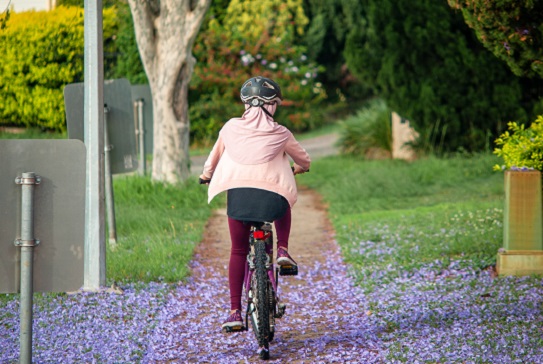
(298, 154)
(213, 158)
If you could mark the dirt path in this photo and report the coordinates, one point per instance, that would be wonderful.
(325, 321)
(325, 316)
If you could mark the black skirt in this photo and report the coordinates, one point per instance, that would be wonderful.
(253, 204)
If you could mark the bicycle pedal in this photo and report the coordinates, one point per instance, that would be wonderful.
(281, 308)
(230, 329)
(288, 270)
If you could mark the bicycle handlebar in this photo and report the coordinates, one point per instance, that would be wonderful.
(298, 173)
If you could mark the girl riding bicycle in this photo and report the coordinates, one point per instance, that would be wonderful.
(250, 160)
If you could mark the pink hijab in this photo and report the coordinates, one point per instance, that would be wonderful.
(255, 137)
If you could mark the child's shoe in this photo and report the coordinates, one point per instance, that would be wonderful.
(234, 322)
(283, 258)
(287, 265)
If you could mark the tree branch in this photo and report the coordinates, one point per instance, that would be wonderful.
(144, 15)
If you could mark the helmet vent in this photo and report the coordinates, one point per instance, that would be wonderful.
(267, 85)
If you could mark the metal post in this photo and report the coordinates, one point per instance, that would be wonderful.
(141, 134)
(27, 243)
(110, 201)
(95, 245)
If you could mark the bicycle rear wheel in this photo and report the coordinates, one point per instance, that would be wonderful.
(260, 315)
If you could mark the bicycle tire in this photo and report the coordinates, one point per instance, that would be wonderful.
(272, 305)
(262, 297)
(253, 312)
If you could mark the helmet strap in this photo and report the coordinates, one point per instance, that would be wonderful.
(266, 111)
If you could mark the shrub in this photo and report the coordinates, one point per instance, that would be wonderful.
(230, 53)
(521, 147)
(41, 53)
(510, 29)
(425, 62)
(368, 130)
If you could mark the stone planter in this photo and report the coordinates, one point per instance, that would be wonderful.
(522, 252)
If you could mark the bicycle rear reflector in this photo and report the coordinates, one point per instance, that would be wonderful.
(259, 234)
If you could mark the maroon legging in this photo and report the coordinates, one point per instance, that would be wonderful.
(239, 235)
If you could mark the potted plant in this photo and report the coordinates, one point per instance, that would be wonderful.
(522, 152)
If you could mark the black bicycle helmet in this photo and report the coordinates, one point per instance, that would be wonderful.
(258, 91)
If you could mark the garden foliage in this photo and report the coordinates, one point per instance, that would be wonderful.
(41, 53)
(329, 25)
(424, 61)
(253, 39)
(367, 130)
(521, 147)
(511, 29)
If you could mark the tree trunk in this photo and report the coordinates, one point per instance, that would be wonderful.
(165, 33)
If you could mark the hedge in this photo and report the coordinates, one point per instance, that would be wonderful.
(41, 53)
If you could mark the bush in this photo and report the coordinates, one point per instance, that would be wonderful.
(510, 29)
(228, 54)
(368, 130)
(523, 147)
(41, 53)
(208, 114)
(428, 66)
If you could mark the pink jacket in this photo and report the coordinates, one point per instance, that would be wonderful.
(249, 155)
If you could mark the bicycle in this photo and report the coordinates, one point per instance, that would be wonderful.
(261, 286)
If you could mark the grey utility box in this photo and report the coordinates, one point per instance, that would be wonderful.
(119, 120)
(59, 213)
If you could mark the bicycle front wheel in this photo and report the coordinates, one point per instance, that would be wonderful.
(260, 317)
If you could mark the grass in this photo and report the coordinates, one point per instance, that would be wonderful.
(406, 215)
(158, 226)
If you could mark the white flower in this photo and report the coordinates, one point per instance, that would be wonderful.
(247, 59)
